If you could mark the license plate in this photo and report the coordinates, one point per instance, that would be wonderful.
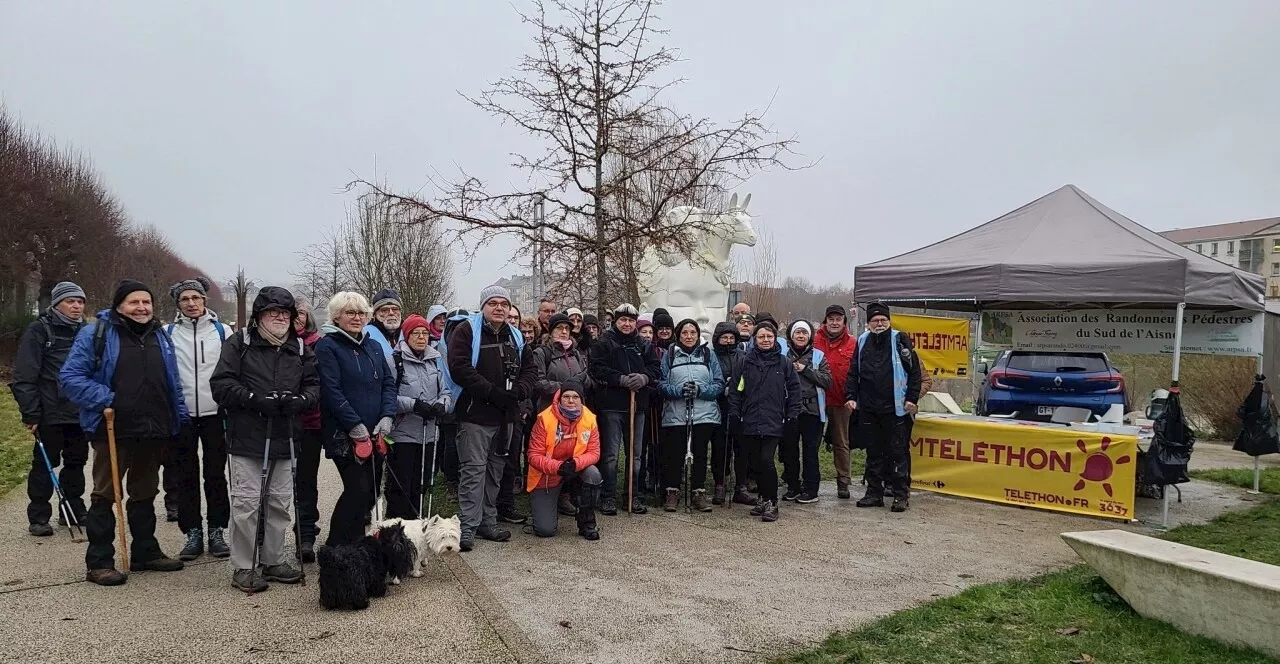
(1044, 410)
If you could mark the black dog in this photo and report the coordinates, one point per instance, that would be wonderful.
(352, 573)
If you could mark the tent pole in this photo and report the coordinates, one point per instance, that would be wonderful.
(1257, 470)
(973, 361)
(1177, 366)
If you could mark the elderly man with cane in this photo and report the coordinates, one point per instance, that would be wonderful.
(266, 378)
(125, 362)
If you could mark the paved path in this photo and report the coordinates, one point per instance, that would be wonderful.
(656, 588)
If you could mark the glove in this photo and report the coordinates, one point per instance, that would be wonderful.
(503, 400)
(380, 441)
(424, 408)
(643, 379)
(358, 432)
(291, 403)
(568, 468)
(383, 427)
(735, 426)
(437, 409)
(690, 390)
(267, 404)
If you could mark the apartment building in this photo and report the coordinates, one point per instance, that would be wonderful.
(1253, 246)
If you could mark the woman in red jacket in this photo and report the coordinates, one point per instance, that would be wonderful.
(564, 447)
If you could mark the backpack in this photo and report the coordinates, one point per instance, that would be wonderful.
(701, 353)
(222, 331)
(476, 319)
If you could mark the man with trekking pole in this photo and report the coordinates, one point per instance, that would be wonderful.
(51, 417)
(266, 378)
(125, 362)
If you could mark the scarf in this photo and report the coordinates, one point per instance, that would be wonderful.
(271, 338)
(571, 415)
(64, 319)
(330, 328)
(565, 343)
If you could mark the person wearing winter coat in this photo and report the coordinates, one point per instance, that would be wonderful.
(564, 448)
(492, 376)
(664, 330)
(838, 346)
(622, 365)
(436, 315)
(730, 358)
(763, 397)
(307, 485)
(47, 413)
(422, 399)
(197, 336)
(803, 435)
(558, 360)
(266, 379)
(125, 361)
(358, 404)
(692, 385)
(384, 327)
(883, 385)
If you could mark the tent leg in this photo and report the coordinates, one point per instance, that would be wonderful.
(1257, 475)
(1164, 509)
(1177, 342)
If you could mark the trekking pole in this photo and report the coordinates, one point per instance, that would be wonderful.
(63, 508)
(631, 454)
(428, 487)
(260, 531)
(379, 509)
(688, 454)
(110, 415)
(297, 516)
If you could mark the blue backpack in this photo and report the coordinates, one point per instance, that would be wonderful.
(476, 320)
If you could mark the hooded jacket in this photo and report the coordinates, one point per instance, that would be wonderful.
(198, 345)
(765, 393)
(555, 439)
(357, 386)
(698, 365)
(615, 355)
(44, 348)
(433, 311)
(556, 365)
(423, 379)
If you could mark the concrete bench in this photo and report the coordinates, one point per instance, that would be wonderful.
(1202, 592)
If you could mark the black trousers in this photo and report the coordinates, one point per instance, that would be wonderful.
(722, 456)
(760, 451)
(888, 453)
(447, 456)
(67, 446)
(408, 477)
(799, 451)
(672, 442)
(307, 487)
(516, 449)
(208, 435)
(354, 508)
(138, 463)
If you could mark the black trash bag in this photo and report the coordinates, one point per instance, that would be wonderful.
(1170, 451)
(1258, 435)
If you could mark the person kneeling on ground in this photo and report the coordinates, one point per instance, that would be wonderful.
(266, 379)
(564, 447)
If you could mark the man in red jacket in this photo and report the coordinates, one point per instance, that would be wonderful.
(838, 345)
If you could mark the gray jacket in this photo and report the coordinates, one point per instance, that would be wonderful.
(422, 379)
(811, 379)
(555, 366)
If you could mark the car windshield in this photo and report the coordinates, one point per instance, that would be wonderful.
(1058, 362)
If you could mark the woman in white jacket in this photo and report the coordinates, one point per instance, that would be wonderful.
(421, 400)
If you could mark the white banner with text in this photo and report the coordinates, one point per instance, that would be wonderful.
(1145, 331)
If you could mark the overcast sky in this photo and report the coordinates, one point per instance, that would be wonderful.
(233, 126)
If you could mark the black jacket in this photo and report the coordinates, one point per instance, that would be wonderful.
(488, 376)
(44, 347)
(256, 369)
(141, 384)
(764, 393)
(870, 379)
(730, 358)
(614, 355)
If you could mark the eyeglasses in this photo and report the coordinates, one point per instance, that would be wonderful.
(355, 314)
(190, 298)
(419, 334)
(275, 313)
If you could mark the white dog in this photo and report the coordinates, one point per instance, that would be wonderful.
(436, 535)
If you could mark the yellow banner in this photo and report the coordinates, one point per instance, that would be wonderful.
(1052, 468)
(941, 343)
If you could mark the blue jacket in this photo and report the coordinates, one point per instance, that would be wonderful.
(372, 330)
(356, 387)
(91, 390)
(699, 366)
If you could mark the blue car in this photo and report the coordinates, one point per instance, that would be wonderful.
(1033, 384)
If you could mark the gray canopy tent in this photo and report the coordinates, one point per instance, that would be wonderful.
(1064, 250)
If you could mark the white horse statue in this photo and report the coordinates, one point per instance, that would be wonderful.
(696, 288)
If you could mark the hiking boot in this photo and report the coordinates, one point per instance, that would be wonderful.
(510, 515)
(770, 513)
(248, 581)
(565, 505)
(590, 534)
(40, 529)
(467, 542)
(171, 514)
(609, 507)
(494, 534)
(307, 553)
(842, 491)
(807, 498)
(871, 501)
(637, 506)
(791, 494)
(718, 497)
(162, 563)
(218, 545)
(451, 493)
(672, 500)
(741, 497)
(899, 505)
(194, 546)
(107, 576)
(281, 574)
(759, 508)
(700, 501)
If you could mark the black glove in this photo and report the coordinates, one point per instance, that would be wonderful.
(568, 469)
(437, 409)
(267, 404)
(291, 403)
(503, 400)
(690, 390)
(735, 426)
(422, 408)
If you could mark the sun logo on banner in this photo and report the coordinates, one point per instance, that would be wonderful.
(1098, 467)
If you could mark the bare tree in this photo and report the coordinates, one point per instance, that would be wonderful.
(242, 286)
(592, 92)
(760, 274)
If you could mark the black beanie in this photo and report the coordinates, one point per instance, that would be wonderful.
(877, 309)
(574, 384)
(663, 319)
(129, 286)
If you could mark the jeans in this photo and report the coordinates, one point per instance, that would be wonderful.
(760, 451)
(545, 502)
(481, 459)
(799, 448)
(65, 445)
(186, 469)
(613, 439)
(309, 449)
(888, 453)
(354, 509)
(138, 463)
(673, 451)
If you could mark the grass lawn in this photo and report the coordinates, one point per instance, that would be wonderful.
(15, 446)
(1067, 616)
(1242, 477)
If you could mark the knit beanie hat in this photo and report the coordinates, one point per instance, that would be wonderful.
(65, 289)
(662, 319)
(573, 310)
(559, 319)
(413, 322)
(384, 297)
(198, 284)
(573, 384)
(877, 309)
(590, 319)
(125, 288)
(643, 320)
(493, 292)
(624, 311)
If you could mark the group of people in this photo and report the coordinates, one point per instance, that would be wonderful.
(499, 403)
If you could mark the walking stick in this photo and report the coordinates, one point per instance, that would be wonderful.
(297, 516)
(688, 454)
(260, 531)
(110, 415)
(631, 455)
(63, 508)
(428, 488)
